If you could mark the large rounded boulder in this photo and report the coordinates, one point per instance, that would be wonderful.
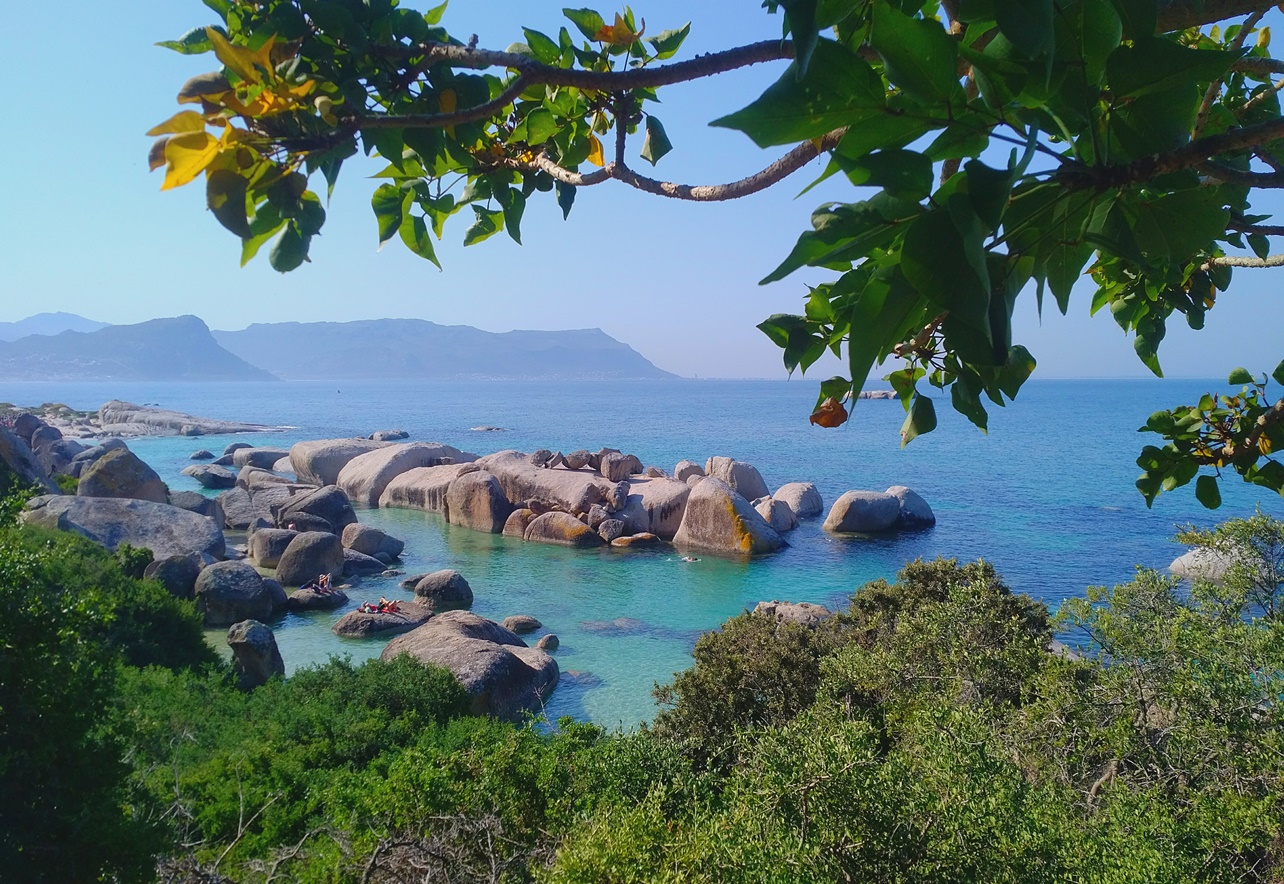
(229, 592)
(719, 520)
(267, 545)
(370, 541)
(915, 513)
(802, 497)
(562, 529)
(255, 657)
(260, 458)
(502, 674)
(17, 460)
(743, 478)
(476, 500)
(176, 573)
(319, 462)
(121, 473)
(211, 476)
(863, 512)
(165, 530)
(328, 503)
(366, 624)
(365, 478)
(443, 590)
(308, 556)
(778, 514)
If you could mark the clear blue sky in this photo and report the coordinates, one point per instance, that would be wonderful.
(85, 229)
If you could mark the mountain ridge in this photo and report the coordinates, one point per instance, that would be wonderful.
(48, 324)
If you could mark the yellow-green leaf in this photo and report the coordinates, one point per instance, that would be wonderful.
(188, 156)
(596, 156)
(179, 124)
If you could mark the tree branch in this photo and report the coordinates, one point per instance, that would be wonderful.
(1269, 180)
(1177, 15)
(1263, 229)
(700, 193)
(1239, 261)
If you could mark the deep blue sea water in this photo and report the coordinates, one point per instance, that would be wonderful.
(1047, 496)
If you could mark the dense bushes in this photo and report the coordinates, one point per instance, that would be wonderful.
(927, 733)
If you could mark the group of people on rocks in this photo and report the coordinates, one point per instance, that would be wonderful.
(383, 607)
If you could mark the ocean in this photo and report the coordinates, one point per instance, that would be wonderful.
(1047, 497)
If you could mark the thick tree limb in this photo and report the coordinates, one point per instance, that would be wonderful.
(1176, 15)
(1242, 261)
(1263, 229)
(1268, 180)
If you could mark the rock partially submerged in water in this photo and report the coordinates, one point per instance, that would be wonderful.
(211, 476)
(863, 512)
(421, 488)
(127, 419)
(365, 478)
(915, 513)
(363, 624)
(777, 513)
(308, 599)
(562, 529)
(476, 500)
(743, 478)
(371, 541)
(503, 675)
(719, 520)
(309, 555)
(319, 461)
(442, 590)
(802, 497)
(229, 592)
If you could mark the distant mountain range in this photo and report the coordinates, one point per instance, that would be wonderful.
(414, 348)
(47, 324)
(69, 347)
(179, 349)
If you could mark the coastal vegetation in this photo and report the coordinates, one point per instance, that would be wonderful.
(932, 731)
(1014, 147)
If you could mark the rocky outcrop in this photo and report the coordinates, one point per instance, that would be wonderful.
(364, 624)
(305, 599)
(121, 473)
(655, 506)
(504, 676)
(320, 461)
(521, 624)
(267, 545)
(126, 419)
(548, 642)
(365, 478)
(255, 657)
(238, 509)
(176, 573)
(211, 476)
(370, 541)
(640, 541)
(863, 512)
(165, 530)
(389, 435)
(253, 478)
(476, 500)
(201, 454)
(328, 503)
(229, 592)
(308, 556)
(804, 613)
(422, 488)
(19, 462)
(199, 504)
(743, 478)
(802, 497)
(562, 529)
(717, 519)
(1202, 564)
(57, 456)
(357, 564)
(443, 590)
(777, 513)
(574, 491)
(86, 458)
(915, 513)
(516, 523)
(262, 458)
(615, 467)
(686, 469)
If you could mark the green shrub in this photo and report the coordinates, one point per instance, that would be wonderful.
(66, 484)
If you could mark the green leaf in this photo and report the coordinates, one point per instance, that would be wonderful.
(543, 47)
(1260, 245)
(1207, 492)
(1150, 332)
(433, 15)
(656, 144)
(1159, 65)
(840, 89)
(989, 190)
(918, 55)
(222, 7)
(921, 419)
(194, 42)
(387, 202)
(513, 203)
(290, 251)
(1240, 376)
(311, 216)
(967, 403)
(225, 195)
(667, 43)
(1028, 24)
(588, 21)
(1278, 374)
(948, 268)
(1139, 17)
(487, 225)
(904, 174)
(414, 233)
(541, 125)
(565, 198)
(389, 142)
(794, 335)
(878, 320)
(801, 15)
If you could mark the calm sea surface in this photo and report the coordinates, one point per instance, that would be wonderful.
(1047, 497)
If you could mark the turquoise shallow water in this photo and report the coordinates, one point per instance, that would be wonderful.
(1047, 496)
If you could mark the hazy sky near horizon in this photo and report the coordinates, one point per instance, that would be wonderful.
(86, 230)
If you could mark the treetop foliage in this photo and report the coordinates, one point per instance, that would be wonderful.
(1012, 147)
